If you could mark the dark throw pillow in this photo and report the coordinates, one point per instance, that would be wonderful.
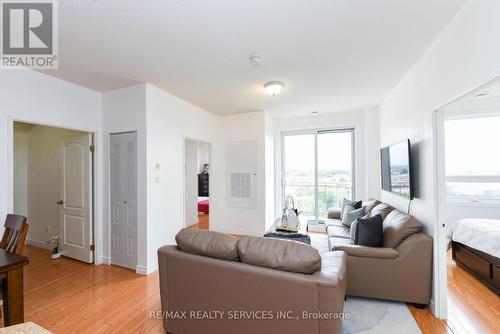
(369, 232)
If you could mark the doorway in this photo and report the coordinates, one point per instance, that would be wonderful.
(197, 184)
(468, 198)
(123, 199)
(53, 188)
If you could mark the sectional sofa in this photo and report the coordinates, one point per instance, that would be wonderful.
(400, 270)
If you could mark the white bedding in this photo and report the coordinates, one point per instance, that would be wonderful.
(481, 234)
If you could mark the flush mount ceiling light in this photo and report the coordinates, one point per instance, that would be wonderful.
(315, 113)
(274, 87)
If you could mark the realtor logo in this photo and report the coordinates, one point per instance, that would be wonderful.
(29, 34)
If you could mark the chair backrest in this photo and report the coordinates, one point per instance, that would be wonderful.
(14, 235)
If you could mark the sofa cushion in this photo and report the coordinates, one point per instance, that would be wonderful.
(336, 241)
(333, 222)
(381, 209)
(369, 232)
(338, 231)
(398, 226)
(279, 254)
(370, 204)
(208, 243)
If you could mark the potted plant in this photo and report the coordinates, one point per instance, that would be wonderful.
(54, 242)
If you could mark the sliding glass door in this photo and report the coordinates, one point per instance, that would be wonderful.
(318, 169)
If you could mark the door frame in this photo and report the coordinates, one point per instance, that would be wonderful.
(210, 179)
(95, 183)
(439, 305)
(316, 132)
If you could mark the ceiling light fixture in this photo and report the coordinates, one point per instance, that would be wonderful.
(315, 113)
(274, 87)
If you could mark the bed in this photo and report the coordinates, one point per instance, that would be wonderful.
(475, 247)
(203, 205)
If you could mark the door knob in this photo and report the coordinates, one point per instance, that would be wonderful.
(60, 202)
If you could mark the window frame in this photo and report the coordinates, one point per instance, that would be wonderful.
(485, 113)
(316, 132)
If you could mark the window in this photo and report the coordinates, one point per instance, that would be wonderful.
(318, 169)
(472, 161)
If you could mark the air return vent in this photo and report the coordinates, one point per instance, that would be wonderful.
(241, 164)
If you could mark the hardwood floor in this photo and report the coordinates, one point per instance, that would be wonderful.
(472, 307)
(202, 222)
(68, 296)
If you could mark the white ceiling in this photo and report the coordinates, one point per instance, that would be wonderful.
(333, 54)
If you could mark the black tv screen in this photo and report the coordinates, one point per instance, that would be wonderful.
(396, 169)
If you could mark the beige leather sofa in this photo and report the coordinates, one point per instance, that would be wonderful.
(401, 270)
(249, 280)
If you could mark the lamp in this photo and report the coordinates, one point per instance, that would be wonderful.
(274, 87)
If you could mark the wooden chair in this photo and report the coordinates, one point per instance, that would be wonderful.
(13, 240)
(14, 236)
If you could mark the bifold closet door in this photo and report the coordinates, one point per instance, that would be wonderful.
(123, 193)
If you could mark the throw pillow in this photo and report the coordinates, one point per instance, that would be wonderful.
(370, 232)
(350, 215)
(354, 204)
(370, 204)
(352, 230)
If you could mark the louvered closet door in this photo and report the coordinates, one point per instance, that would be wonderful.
(123, 192)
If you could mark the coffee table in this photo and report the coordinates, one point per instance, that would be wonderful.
(300, 235)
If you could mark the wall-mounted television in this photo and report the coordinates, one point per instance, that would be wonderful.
(396, 169)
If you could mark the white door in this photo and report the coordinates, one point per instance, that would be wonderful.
(123, 192)
(76, 198)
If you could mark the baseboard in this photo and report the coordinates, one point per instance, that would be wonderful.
(146, 270)
(105, 260)
(39, 244)
(432, 307)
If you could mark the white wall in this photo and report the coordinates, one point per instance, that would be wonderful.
(465, 55)
(457, 211)
(191, 185)
(37, 98)
(270, 211)
(125, 110)
(372, 144)
(203, 155)
(240, 127)
(365, 143)
(20, 186)
(171, 120)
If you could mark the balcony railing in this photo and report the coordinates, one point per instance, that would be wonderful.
(330, 194)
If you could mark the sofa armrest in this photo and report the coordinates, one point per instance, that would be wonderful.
(370, 252)
(333, 268)
(331, 281)
(333, 213)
